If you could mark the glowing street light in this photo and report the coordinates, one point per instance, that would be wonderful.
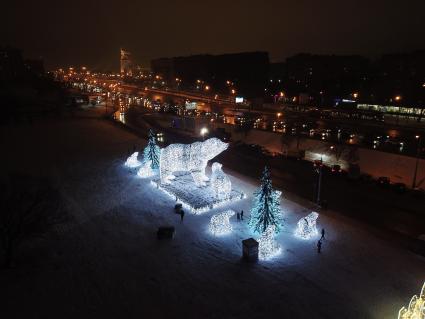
(203, 132)
(397, 98)
(418, 153)
(355, 95)
(233, 91)
(207, 87)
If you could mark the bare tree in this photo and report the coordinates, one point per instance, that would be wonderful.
(338, 150)
(285, 141)
(29, 208)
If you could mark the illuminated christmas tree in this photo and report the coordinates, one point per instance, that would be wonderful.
(267, 245)
(152, 151)
(266, 206)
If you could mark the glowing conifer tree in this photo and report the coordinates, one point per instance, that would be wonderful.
(266, 206)
(152, 151)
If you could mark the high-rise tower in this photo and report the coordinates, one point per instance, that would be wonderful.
(126, 63)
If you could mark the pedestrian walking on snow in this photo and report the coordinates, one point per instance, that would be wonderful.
(182, 215)
(323, 234)
(319, 246)
(242, 215)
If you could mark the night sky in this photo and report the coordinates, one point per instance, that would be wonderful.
(91, 32)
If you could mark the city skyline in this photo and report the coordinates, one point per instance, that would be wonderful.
(94, 34)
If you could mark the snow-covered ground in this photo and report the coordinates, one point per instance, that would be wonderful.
(108, 262)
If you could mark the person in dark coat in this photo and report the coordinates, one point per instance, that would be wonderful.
(242, 215)
(319, 246)
(182, 215)
(323, 234)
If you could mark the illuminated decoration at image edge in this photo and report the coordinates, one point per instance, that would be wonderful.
(416, 308)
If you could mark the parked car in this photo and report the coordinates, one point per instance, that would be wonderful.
(336, 169)
(354, 172)
(399, 187)
(366, 178)
(383, 181)
(418, 193)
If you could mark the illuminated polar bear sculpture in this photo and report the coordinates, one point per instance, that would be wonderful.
(190, 158)
(220, 182)
(132, 161)
(306, 226)
(220, 223)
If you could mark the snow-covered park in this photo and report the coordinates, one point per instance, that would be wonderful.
(107, 262)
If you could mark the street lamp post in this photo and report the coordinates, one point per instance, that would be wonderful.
(204, 131)
(106, 103)
(319, 181)
(418, 153)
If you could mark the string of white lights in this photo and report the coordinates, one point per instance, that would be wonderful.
(220, 182)
(306, 226)
(132, 161)
(146, 170)
(220, 223)
(189, 157)
(198, 210)
(267, 245)
(416, 308)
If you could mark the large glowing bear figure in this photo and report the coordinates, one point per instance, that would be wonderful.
(306, 226)
(220, 223)
(220, 182)
(132, 161)
(189, 157)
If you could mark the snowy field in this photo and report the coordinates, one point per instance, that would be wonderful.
(109, 264)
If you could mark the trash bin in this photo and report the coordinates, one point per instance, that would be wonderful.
(250, 249)
(165, 232)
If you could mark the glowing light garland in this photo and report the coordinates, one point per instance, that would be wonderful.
(146, 170)
(220, 223)
(220, 182)
(267, 245)
(132, 161)
(416, 308)
(198, 210)
(265, 210)
(306, 226)
(189, 157)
